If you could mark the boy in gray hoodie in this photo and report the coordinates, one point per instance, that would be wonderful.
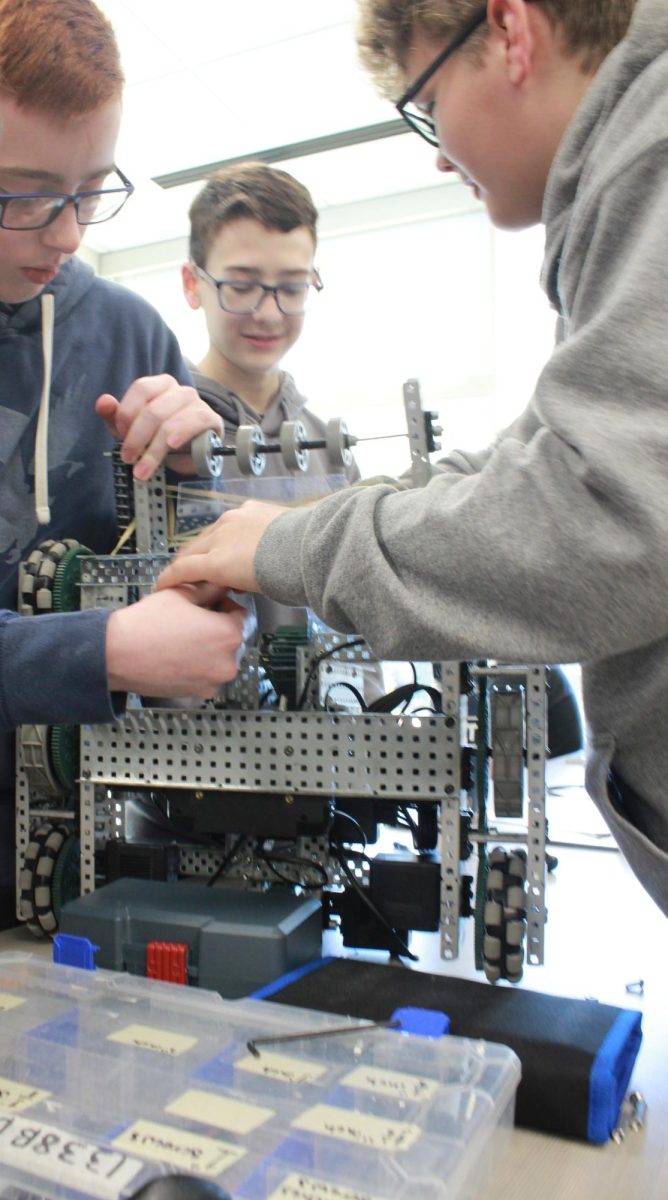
(251, 272)
(552, 546)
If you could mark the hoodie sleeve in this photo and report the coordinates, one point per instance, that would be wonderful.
(554, 550)
(53, 669)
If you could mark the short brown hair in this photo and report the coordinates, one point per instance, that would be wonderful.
(58, 56)
(589, 28)
(248, 189)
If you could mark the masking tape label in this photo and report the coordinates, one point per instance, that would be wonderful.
(8, 1001)
(234, 1116)
(159, 1041)
(14, 1097)
(376, 1133)
(165, 1143)
(390, 1083)
(301, 1187)
(282, 1068)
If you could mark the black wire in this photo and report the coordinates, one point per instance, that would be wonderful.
(315, 663)
(290, 861)
(412, 825)
(386, 704)
(338, 812)
(404, 951)
(227, 859)
(342, 683)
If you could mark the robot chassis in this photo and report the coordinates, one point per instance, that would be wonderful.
(291, 771)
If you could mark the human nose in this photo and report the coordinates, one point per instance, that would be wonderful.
(64, 233)
(275, 308)
(444, 164)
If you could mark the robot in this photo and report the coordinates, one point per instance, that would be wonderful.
(292, 777)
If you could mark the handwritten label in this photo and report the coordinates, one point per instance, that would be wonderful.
(166, 1144)
(301, 1187)
(63, 1158)
(158, 1041)
(8, 1000)
(376, 1133)
(390, 1083)
(281, 1068)
(14, 1097)
(232, 1115)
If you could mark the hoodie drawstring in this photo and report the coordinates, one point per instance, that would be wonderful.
(42, 510)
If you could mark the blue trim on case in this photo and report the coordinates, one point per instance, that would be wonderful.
(283, 981)
(610, 1073)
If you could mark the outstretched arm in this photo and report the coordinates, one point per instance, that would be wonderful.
(224, 553)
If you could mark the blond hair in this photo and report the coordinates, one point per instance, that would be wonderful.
(588, 28)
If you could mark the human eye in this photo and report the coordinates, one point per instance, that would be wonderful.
(25, 205)
(292, 289)
(240, 287)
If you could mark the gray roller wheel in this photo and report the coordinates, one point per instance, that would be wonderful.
(337, 439)
(290, 438)
(207, 464)
(42, 891)
(505, 915)
(250, 459)
(41, 838)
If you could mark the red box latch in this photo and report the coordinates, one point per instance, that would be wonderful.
(168, 961)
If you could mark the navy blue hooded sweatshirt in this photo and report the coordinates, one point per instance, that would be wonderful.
(52, 668)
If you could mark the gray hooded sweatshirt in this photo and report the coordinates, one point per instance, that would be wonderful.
(551, 546)
(321, 476)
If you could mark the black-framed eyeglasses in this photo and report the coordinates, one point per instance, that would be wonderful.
(420, 121)
(36, 210)
(244, 296)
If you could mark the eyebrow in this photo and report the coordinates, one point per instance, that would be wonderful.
(255, 272)
(49, 176)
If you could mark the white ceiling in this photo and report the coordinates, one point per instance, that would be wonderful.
(214, 79)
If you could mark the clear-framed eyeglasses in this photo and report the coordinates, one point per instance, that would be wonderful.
(419, 119)
(244, 296)
(36, 210)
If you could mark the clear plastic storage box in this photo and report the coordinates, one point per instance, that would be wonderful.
(108, 1080)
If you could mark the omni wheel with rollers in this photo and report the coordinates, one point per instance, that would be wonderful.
(57, 879)
(250, 459)
(45, 842)
(505, 915)
(291, 437)
(48, 580)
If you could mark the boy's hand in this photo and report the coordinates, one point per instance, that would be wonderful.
(224, 553)
(170, 645)
(156, 417)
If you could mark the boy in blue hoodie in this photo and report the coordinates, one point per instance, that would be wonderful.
(83, 364)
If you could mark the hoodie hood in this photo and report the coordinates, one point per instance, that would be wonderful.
(607, 129)
(288, 404)
(71, 284)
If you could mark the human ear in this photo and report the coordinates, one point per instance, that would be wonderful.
(190, 288)
(509, 20)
